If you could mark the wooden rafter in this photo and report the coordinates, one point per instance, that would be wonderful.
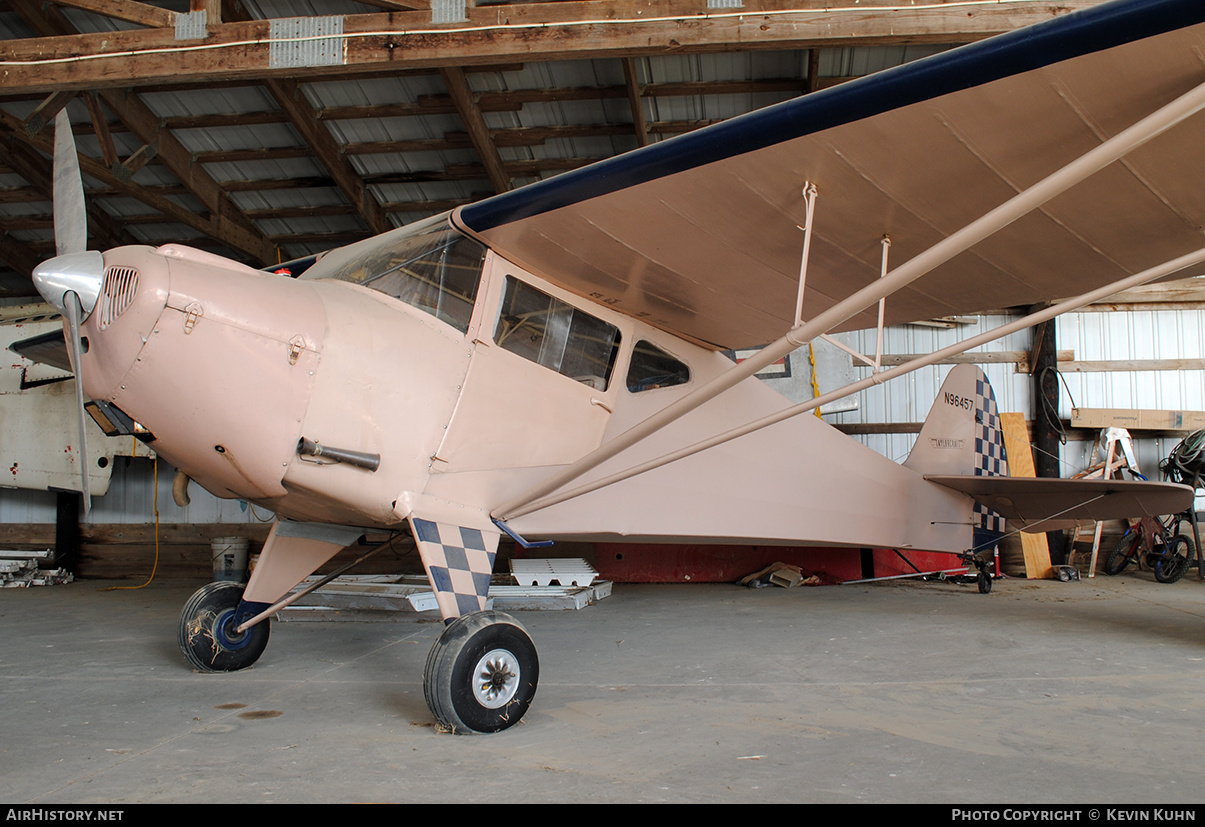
(156, 198)
(20, 257)
(400, 5)
(498, 101)
(634, 101)
(513, 137)
(474, 121)
(100, 128)
(388, 42)
(226, 222)
(127, 10)
(36, 169)
(322, 144)
(117, 68)
(46, 111)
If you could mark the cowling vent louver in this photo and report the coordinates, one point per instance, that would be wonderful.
(121, 283)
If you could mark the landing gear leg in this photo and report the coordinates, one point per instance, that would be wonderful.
(206, 632)
(481, 674)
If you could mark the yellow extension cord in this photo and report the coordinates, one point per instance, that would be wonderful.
(815, 383)
(155, 567)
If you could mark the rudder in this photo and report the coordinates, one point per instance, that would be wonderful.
(962, 436)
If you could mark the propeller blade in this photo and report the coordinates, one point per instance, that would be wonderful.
(70, 213)
(74, 312)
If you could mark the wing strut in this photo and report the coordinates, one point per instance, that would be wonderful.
(878, 347)
(1019, 205)
(874, 379)
(809, 195)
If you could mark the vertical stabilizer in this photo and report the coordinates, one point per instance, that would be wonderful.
(962, 436)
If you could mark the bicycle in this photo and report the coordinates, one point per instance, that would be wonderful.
(1150, 541)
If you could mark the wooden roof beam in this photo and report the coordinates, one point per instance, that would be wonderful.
(515, 137)
(37, 170)
(20, 257)
(156, 198)
(400, 5)
(468, 172)
(292, 101)
(20, 195)
(127, 10)
(503, 101)
(303, 117)
(227, 223)
(100, 127)
(474, 121)
(46, 111)
(432, 206)
(634, 102)
(576, 29)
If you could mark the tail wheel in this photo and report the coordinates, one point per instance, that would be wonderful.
(206, 632)
(481, 674)
(1122, 553)
(1174, 563)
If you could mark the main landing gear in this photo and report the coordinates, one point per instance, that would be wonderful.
(481, 674)
(480, 677)
(206, 630)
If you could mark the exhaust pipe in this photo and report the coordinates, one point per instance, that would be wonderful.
(360, 459)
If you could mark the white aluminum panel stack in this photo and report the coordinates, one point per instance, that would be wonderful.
(19, 569)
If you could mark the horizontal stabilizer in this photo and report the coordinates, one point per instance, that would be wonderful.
(1040, 504)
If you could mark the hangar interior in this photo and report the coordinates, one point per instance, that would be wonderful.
(266, 131)
(228, 136)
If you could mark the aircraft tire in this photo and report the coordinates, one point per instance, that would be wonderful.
(206, 631)
(1172, 565)
(1123, 552)
(985, 583)
(481, 674)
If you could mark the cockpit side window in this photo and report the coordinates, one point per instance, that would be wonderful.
(651, 368)
(557, 335)
(437, 271)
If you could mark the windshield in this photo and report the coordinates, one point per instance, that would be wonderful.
(428, 265)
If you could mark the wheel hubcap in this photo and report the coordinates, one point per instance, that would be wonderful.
(496, 678)
(224, 634)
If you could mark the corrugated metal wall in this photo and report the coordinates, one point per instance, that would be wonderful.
(1139, 334)
(909, 398)
(1092, 336)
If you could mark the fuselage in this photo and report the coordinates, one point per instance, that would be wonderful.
(471, 380)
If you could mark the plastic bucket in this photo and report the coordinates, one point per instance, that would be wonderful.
(229, 558)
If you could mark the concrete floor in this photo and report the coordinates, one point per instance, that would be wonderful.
(1087, 692)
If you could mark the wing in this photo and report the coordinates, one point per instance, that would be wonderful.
(699, 235)
(47, 348)
(1037, 504)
